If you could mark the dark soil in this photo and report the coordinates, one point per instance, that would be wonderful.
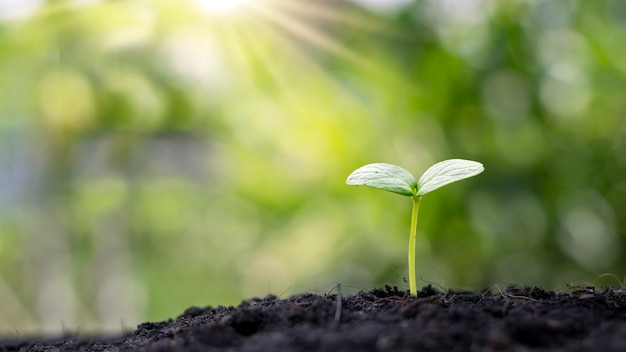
(518, 319)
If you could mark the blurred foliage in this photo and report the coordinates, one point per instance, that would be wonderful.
(158, 154)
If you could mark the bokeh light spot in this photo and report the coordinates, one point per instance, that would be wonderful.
(66, 99)
(565, 91)
(588, 234)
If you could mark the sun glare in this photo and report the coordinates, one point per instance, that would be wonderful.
(220, 5)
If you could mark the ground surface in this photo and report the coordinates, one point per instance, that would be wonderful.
(518, 319)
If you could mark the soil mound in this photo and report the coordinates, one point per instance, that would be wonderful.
(518, 319)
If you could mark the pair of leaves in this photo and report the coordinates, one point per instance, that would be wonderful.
(395, 179)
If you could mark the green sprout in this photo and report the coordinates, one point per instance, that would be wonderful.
(395, 179)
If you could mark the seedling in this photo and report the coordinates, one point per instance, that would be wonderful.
(395, 179)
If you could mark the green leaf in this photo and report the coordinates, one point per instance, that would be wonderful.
(383, 176)
(447, 171)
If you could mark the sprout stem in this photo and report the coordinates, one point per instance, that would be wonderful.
(412, 279)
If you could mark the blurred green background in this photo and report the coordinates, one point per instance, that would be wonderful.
(160, 154)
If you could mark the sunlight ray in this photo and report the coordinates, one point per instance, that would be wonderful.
(281, 49)
(238, 51)
(221, 5)
(265, 51)
(310, 35)
(302, 24)
(330, 14)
